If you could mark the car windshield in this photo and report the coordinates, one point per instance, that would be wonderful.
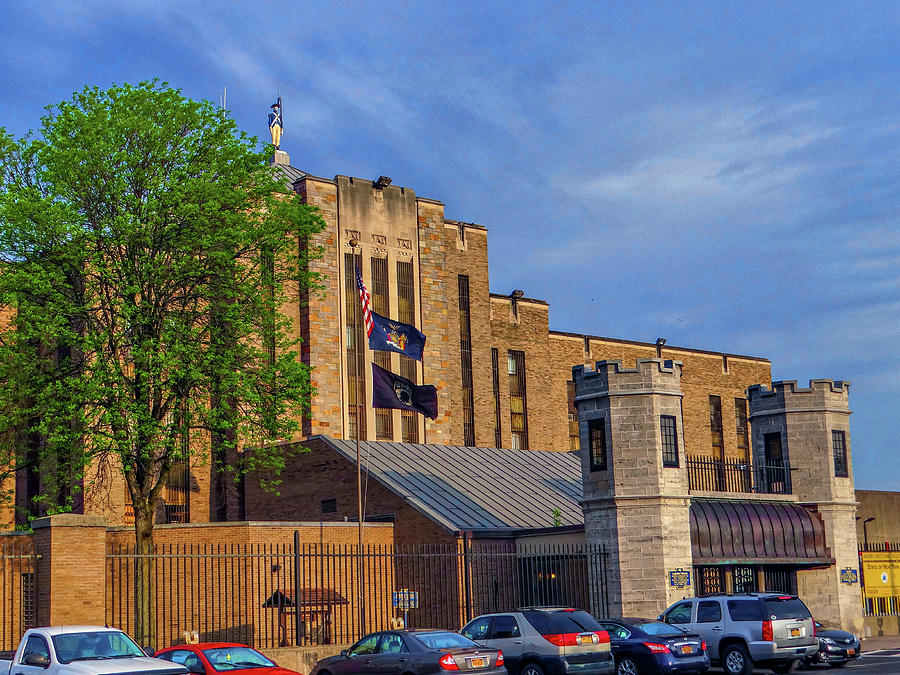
(786, 608)
(444, 640)
(236, 658)
(565, 621)
(658, 628)
(90, 645)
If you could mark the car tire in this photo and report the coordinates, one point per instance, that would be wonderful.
(782, 668)
(626, 666)
(531, 669)
(736, 660)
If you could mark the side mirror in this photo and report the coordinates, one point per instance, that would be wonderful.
(344, 652)
(37, 660)
(660, 618)
(149, 651)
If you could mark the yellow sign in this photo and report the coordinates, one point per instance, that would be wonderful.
(881, 573)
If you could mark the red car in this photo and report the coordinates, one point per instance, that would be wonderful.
(211, 658)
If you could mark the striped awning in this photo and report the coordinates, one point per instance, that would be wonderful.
(733, 532)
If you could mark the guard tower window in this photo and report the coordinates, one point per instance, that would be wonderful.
(597, 441)
(839, 445)
(669, 439)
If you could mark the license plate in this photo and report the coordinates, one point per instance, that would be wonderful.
(585, 639)
(795, 632)
(478, 662)
(851, 652)
(686, 649)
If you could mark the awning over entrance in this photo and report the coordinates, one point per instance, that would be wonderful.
(732, 532)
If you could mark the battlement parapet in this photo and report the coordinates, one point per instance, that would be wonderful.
(647, 376)
(785, 395)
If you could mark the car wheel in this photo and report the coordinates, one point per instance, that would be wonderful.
(838, 664)
(626, 666)
(532, 669)
(736, 660)
(782, 668)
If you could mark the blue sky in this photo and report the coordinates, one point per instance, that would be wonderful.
(722, 174)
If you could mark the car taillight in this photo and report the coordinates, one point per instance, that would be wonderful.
(703, 646)
(499, 658)
(767, 631)
(656, 649)
(814, 627)
(563, 639)
(448, 662)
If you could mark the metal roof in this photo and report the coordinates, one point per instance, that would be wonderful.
(466, 489)
(291, 173)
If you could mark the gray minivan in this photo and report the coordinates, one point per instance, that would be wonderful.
(743, 630)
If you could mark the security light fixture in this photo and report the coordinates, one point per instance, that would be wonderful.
(660, 341)
(382, 182)
(517, 294)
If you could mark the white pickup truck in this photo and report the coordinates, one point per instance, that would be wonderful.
(83, 650)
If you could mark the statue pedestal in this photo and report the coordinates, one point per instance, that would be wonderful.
(280, 157)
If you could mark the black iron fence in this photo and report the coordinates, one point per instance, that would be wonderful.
(271, 595)
(18, 590)
(706, 474)
(878, 565)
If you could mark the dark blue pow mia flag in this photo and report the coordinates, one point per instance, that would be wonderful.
(393, 391)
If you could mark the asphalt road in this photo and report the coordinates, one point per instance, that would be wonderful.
(875, 661)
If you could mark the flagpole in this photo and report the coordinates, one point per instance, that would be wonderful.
(354, 243)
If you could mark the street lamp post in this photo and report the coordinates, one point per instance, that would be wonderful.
(865, 532)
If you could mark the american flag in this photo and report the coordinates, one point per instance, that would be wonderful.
(364, 298)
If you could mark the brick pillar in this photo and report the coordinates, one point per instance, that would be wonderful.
(637, 507)
(805, 419)
(71, 572)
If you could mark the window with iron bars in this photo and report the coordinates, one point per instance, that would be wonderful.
(465, 353)
(742, 428)
(384, 417)
(597, 441)
(356, 358)
(839, 446)
(495, 383)
(574, 434)
(406, 312)
(518, 411)
(669, 438)
(715, 427)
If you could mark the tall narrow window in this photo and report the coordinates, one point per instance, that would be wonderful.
(384, 418)
(669, 437)
(356, 358)
(574, 437)
(495, 380)
(597, 440)
(838, 444)
(518, 411)
(742, 428)
(465, 353)
(715, 427)
(178, 490)
(406, 312)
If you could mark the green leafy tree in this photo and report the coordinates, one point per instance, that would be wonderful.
(146, 252)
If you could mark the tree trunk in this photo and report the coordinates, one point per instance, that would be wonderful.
(144, 611)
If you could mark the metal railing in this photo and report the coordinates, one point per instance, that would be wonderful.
(18, 590)
(271, 595)
(706, 474)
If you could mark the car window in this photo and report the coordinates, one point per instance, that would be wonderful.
(745, 610)
(365, 646)
(478, 628)
(444, 640)
(680, 613)
(504, 627)
(709, 611)
(236, 658)
(659, 628)
(177, 655)
(566, 621)
(391, 643)
(36, 645)
(786, 608)
(616, 632)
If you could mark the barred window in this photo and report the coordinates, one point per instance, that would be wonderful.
(715, 427)
(669, 438)
(597, 441)
(574, 435)
(518, 413)
(838, 444)
(381, 303)
(406, 312)
(742, 428)
(495, 376)
(465, 353)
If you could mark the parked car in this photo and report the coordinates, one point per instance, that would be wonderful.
(836, 647)
(207, 658)
(413, 652)
(744, 630)
(654, 648)
(545, 640)
(83, 650)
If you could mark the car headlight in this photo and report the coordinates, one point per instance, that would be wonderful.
(827, 641)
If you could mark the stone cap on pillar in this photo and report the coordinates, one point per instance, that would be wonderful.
(648, 376)
(69, 520)
(786, 396)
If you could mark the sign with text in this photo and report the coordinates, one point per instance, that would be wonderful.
(881, 573)
(680, 578)
(849, 576)
(406, 599)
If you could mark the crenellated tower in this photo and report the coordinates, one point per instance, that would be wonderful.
(635, 483)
